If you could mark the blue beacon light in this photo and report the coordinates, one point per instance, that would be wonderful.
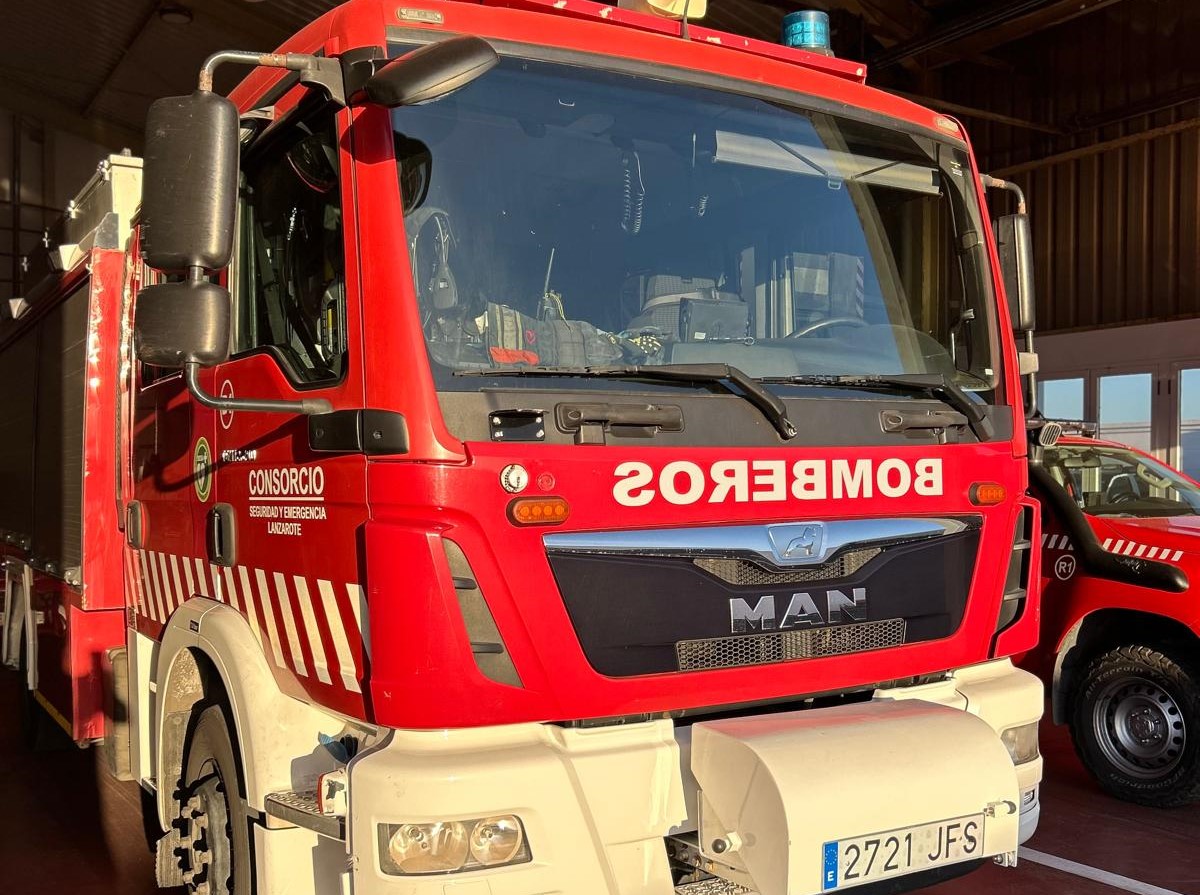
(807, 30)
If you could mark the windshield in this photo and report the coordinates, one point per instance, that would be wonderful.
(1106, 481)
(560, 216)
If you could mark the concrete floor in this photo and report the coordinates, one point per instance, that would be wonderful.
(66, 828)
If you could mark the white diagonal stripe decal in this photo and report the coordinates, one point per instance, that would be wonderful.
(180, 596)
(164, 575)
(202, 578)
(252, 613)
(146, 580)
(1129, 547)
(188, 580)
(1117, 546)
(131, 572)
(289, 624)
(152, 560)
(1045, 537)
(1107, 543)
(358, 605)
(1141, 550)
(218, 587)
(1153, 553)
(333, 618)
(313, 633)
(231, 593)
(264, 603)
(1175, 557)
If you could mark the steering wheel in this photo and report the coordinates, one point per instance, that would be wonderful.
(1123, 497)
(825, 324)
(439, 289)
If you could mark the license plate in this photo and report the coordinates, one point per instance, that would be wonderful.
(865, 859)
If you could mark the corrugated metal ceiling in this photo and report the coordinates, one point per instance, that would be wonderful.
(104, 61)
(1032, 78)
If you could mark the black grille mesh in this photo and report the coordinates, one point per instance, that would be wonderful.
(810, 643)
(747, 573)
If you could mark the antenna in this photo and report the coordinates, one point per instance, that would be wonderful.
(683, 26)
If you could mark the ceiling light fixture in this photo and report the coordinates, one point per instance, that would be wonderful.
(175, 14)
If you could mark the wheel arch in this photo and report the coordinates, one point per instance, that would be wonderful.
(210, 653)
(1102, 630)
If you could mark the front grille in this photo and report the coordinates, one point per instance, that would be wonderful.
(810, 643)
(748, 573)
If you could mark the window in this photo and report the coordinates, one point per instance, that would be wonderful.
(291, 279)
(1189, 421)
(1108, 481)
(1125, 408)
(1061, 399)
(558, 216)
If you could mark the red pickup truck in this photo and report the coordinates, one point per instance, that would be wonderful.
(1119, 648)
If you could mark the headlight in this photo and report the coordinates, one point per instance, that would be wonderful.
(452, 846)
(497, 840)
(1021, 742)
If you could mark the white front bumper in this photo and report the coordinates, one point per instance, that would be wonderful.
(597, 803)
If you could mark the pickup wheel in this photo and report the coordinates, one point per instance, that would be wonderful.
(213, 825)
(1136, 725)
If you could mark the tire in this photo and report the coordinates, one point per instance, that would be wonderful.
(1135, 723)
(213, 823)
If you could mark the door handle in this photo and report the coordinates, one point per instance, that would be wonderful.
(222, 535)
(135, 524)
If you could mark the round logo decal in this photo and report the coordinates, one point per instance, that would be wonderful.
(202, 469)
(1064, 567)
(226, 415)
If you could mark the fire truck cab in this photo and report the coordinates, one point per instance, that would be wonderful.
(541, 447)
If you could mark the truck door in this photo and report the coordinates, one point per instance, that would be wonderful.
(164, 486)
(284, 527)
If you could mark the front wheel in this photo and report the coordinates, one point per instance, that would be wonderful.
(1136, 725)
(214, 828)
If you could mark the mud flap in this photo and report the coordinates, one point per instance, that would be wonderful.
(774, 789)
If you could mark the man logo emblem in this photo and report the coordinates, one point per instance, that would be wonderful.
(798, 542)
(202, 469)
(807, 544)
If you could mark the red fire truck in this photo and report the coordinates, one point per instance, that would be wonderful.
(534, 446)
(1119, 630)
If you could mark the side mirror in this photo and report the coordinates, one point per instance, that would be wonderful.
(189, 197)
(182, 323)
(1015, 246)
(431, 72)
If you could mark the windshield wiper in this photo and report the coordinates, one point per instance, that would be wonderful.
(736, 382)
(939, 385)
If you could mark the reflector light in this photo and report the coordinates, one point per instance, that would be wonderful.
(538, 510)
(987, 494)
(949, 125)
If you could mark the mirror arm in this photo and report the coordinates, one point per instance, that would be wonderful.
(305, 406)
(1031, 408)
(319, 70)
(990, 182)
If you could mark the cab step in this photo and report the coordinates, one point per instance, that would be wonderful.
(300, 809)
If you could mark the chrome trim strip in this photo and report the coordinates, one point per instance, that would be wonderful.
(780, 544)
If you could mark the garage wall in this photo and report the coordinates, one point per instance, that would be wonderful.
(41, 169)
(1111, 163)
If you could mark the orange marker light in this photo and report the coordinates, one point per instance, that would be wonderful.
(987, 494)
(538, 510)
